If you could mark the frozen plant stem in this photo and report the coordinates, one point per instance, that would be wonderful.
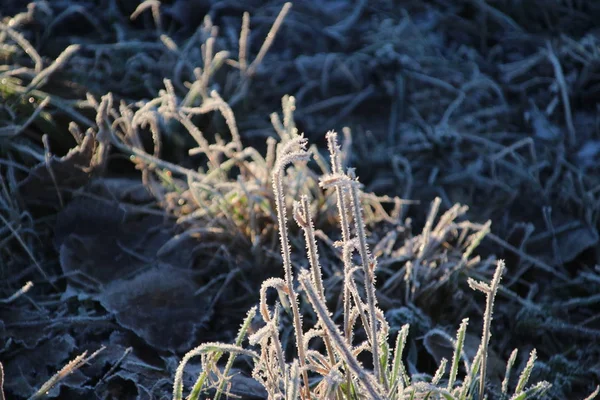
(564, 92)
(368, 270)
(305, 221)
(303, 218)
(238, 342)
(458, 349)
(68, 369)
(336, 336)
(336, 167)
(287, 156)
(490, 291)
(269, 39)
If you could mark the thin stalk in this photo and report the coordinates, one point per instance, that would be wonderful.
(336, 168)
(369, 271)
(285, 245)
(305, 221)
(490, 291)
(372, 388)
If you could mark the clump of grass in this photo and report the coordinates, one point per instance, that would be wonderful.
(336, 371)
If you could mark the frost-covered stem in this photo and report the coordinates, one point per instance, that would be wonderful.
(311, 245)
(305, 221)
(352, 291)
(564, 92)
(524, 377)
(292, 386)
(368, 272)
(490, 291)
(336, 168)
(399, 377)
(269, 39)
(509, 365)
(203, 349)
(68, 369)
(278, 284)
(335, 334)
(243, 43)
(238, 342)
(42, 78)
(285, 245)
(458, 349)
